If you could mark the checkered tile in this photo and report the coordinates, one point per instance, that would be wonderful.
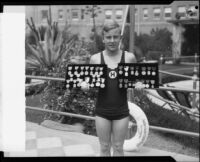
(27, 153)
(50, 146)
(79, 150)
(48, 142)
(30, 135)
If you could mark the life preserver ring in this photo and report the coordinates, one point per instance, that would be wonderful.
(141, 135)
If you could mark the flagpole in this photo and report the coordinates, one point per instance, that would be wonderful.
(124, 22)
(132, 29)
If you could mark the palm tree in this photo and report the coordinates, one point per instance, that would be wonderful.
(48, 54)
(51, 51)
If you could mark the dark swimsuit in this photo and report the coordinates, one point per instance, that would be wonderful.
(112, 101)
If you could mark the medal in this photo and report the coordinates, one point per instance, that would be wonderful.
(69, 67)
(97, 84)
(102, 85)
(86, 72)
(153, 71)
(126, 70)
(143, 70)
(132, 70)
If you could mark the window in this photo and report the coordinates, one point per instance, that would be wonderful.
(60, 14)
(44, 14)
(156, 13)
(145, 13)
(82, 13)
(136, 11)
(119, 14)
(167, 12)
(108, 14)
(75, 14)
(182, 11)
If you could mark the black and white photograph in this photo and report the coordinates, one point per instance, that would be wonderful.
(111, 81)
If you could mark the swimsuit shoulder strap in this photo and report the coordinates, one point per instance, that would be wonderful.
(102, 58)
(123, 57)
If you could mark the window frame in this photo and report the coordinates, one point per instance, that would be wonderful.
(159, 11)
(44, 18)
(143, 12)
(60, 11)
(180, 13)
(106, 15)
(121, 14)
(75, 18)
(168, 17)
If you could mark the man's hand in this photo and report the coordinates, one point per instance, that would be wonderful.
(139, 85)
(84, 86)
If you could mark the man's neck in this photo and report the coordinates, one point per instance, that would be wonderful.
(112, 53)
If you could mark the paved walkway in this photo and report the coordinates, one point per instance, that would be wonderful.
(42, 141)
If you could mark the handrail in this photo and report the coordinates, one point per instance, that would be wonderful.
(62, 79)
(181, 57)
(45, 78)
(61, 113)
(187, 133)
(177, 89)
(180, 75)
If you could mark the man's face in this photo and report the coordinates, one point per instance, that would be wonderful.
(112, 39)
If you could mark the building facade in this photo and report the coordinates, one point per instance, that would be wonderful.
(147, 17)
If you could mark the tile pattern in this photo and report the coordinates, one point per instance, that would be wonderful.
(51, 146)
(45, 142)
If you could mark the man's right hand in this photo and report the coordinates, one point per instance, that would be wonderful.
(84, 86)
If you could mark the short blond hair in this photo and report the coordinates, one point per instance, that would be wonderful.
(109, 25)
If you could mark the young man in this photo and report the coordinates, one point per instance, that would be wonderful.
(112, 113)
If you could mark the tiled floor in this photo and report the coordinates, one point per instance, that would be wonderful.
(49, 142)
(42, 141)
(79, 150)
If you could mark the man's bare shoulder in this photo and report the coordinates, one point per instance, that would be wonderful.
(95, 59)
(130, 57)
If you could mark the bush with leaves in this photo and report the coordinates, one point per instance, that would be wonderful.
(56, 97)
(158, 40)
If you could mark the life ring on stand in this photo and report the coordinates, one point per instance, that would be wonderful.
(142, 132)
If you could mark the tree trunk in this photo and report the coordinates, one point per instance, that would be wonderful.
(177, 38)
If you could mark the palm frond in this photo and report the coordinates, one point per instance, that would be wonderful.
(35, 53)
(32, 63)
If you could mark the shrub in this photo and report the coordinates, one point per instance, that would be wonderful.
(156, 55)
(34, 89)
(153, 55)
(158, 40)
(57, 98)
